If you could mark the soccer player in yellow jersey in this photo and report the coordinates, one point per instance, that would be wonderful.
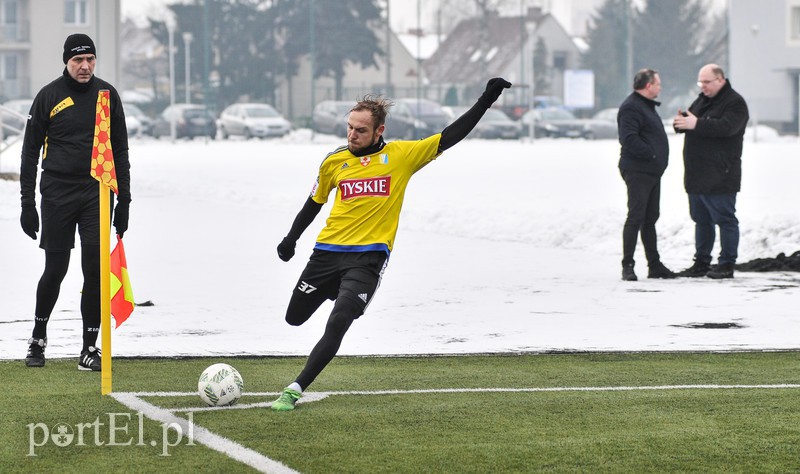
(352, 251)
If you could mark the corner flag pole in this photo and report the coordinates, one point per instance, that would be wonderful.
(102, 169)
(105, 288)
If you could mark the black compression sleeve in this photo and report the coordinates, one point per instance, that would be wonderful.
(458, 130)
(304, 219)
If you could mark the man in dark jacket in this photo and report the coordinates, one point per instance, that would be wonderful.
(61, 126)
(643, 159)
(712, 155)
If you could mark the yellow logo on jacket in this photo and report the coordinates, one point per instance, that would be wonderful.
(61, 106)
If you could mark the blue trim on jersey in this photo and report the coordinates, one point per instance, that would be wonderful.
(353, 248)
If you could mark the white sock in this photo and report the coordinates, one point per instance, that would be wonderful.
(296, 387)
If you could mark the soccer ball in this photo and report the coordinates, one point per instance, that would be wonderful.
(220, 385)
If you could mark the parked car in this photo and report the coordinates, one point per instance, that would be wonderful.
(412, 119)
(494, 124)
(609, 115)
(330, 116)
(144, 123)
(252, 120)
(560, 123)
(190, 121)
(14, 116)
(132, 125)
(605, 123)
(547, 102)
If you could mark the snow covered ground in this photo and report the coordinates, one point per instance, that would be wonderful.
(502, 247)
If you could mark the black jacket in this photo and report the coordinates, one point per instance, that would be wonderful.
(645, 148)
(712, 152)
(61, 126)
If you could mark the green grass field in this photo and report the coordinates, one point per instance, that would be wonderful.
(677, 412)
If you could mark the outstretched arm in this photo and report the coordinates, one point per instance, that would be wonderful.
(304, 219)
(456, 131)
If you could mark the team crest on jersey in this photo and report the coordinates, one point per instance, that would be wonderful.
(353, 188)
(365, 160)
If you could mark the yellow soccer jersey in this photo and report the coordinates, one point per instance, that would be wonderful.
(369, 196)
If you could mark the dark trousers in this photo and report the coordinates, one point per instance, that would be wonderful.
(644, 196)
(350, 279)
(55, 269)
(707, 212)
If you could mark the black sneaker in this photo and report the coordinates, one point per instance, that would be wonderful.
(723, 270)
(695, 271)
(35, 357)
(90, 359)
(628, 273)
(658, 270)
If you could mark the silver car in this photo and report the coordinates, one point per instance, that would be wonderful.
(330, 117)
(252, 120)
(14, 116)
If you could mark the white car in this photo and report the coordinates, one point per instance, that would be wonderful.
(252, 120)
(133, 125)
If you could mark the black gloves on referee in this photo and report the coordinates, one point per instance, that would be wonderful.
(29, 220)
(121, 213)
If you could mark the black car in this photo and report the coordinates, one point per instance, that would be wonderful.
(412, 119)
(560, 123)
(190, 121)
(494, 124)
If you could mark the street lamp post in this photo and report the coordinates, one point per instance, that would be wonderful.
(187, 43)
(170, 52)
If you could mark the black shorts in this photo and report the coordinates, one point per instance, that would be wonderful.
(331, 275)
(67, 202)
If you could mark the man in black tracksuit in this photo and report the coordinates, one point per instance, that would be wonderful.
(643, 159)
(61, 125)
(712, 157)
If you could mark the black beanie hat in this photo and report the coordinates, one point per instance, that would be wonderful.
(76, 44)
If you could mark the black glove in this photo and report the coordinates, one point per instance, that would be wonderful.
(29, 220)
(286, 249)
(493, 90)
(121, 213)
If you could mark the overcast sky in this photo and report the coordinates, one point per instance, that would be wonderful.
(403, 12)
(572, 14)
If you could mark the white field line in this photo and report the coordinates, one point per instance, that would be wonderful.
(495, 389)
(203, 436)
(264, 464)
(317, 396)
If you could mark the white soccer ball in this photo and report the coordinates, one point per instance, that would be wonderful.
(220, 385)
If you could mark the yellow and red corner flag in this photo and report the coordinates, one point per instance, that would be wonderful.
(102, 156)
(103, 171)
(121, 292)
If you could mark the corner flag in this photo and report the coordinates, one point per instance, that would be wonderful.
(121, 292)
